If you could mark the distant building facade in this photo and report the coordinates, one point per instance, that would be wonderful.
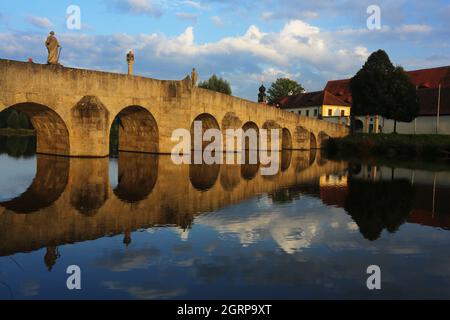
(335, 101)
(320, 105)
(433, 86)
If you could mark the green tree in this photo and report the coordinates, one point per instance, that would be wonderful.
(380, 88)
(370, 87)
(216, 84)
(406, 103)
(13, 121)
(282, 88)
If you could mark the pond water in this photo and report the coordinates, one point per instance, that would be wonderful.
(140, 227)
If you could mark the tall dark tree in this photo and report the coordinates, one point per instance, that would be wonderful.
(370, 87)
(216, 84)
(379, 88)
(282, 88)
(406, 103)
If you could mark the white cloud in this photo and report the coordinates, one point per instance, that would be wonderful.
(149, 7)
(414, 28)
(217, 21)
(194, 4)
(40, 22)
(289, 15)
(187, 16)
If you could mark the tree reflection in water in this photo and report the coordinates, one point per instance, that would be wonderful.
(376, 206)
(18, 146)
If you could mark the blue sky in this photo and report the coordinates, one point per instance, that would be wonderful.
(244, 41)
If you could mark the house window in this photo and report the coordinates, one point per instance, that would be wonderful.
(330, 112)
(307, 113)
(315, 112)
(300, 112)
(342, 113)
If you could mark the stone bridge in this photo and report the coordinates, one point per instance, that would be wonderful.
(72, 111)
(72, 200)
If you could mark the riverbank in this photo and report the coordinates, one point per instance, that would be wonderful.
(17, 132)
(391, 146)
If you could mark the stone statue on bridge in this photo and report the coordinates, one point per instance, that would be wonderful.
(53, 46)
(194, 77)
(130, 61)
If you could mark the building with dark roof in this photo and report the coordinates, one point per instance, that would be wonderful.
(319, 104)
(433, 87)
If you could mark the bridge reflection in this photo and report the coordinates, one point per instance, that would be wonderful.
(71, 200)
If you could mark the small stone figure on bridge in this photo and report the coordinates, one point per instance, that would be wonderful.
(53, 48)
(130, 60)
(194, 77)
(262, 97)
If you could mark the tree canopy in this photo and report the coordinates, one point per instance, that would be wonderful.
(380, 88)
(216, 84)
(282, 88)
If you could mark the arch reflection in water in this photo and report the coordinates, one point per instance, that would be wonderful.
(137, 176)
(248, 170)
(286, 158)
(202, 176)
(51, 179)
(230, 175)
(89, 184)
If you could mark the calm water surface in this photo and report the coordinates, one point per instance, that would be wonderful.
(140, 227)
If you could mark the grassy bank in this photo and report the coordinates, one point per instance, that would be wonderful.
(16, 132)
(391, 146)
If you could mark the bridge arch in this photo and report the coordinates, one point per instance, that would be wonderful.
(136, 130)
(286, 139)
(271, 125)
(312, 141)
(247, 142)
(208, 122)
(52, 134)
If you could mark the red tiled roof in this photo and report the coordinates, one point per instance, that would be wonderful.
(431, 78)
(332, 100)
(340, 88)
(311, 99)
